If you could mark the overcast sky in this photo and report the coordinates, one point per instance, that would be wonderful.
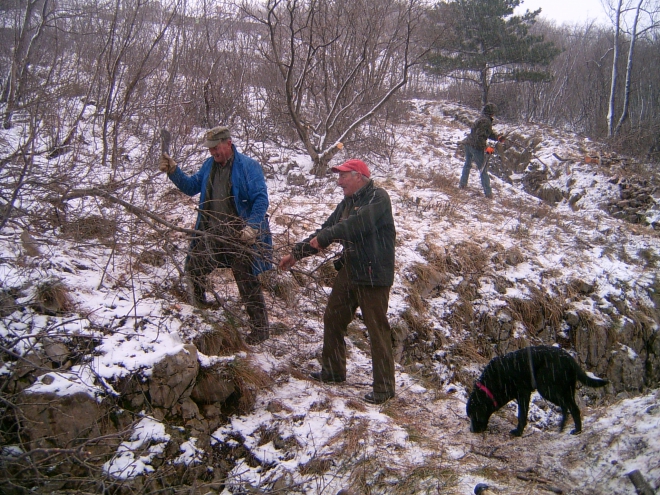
(568, 11)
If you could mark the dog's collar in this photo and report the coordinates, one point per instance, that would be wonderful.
(485, 390)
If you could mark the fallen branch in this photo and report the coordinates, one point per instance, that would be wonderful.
(146, 216)
(490, 455)
(543, 483)
(641, 485)
(560, 158)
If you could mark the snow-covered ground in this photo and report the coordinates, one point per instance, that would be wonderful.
(327, 438)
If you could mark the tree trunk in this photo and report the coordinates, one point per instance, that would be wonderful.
(20, 60)
(631, 52)
(615, 59)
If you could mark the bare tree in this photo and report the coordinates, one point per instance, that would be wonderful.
(619, 13)
(31, 27)
(651, 23)
(615, 63)
(338, 63)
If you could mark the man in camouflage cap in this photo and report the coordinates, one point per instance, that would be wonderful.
(232, 210)
(475, 146)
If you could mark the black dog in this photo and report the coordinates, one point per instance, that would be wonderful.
(550, 370)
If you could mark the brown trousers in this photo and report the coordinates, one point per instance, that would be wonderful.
(205, 255)
(342, 304)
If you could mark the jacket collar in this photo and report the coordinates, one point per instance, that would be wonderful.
(362, 191)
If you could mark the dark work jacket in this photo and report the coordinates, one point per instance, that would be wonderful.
(481, 130)
(367, 235)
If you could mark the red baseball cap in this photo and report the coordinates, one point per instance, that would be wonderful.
(353, 164)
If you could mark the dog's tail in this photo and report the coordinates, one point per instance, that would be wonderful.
(589, 380)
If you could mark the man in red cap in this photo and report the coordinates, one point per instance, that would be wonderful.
(364, 225)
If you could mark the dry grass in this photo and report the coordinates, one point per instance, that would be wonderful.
(222, 340)
(427, 279)
(53, 296)
(351, 438)
(537, 312)
(316, 466)
(152, 257)
(649, 256)
(468, 258)
(282, 286)
(358, 335)
(577, 288)
(92, 227)
(324, 404)
(371, 476)
(417, 324)
(249, 380)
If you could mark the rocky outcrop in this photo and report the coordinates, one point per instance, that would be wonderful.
(173, 377)
(636, 198)
(55, 421)
(79, 425)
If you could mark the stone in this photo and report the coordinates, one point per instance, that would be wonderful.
(54, 421)
(625, 370)
(56, 351)
(188, 409)
(173, 377)
(212, 386)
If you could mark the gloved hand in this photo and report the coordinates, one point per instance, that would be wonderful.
(248, 235)
(166, 164)
(501, 139)
(490, 150)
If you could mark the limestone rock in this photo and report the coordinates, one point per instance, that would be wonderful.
(57, 421)
(212, 386)
(625, 369)
(173, 377)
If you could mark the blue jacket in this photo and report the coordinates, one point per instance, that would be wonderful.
(248, 187)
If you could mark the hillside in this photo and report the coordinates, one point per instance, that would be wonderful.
(93, 304)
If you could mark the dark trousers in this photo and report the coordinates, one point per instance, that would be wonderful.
(342, 304)
(207, 254)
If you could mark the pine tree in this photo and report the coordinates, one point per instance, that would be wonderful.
(482, 42)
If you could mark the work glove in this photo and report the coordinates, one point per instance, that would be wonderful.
(166, 164)
(490, 150)
(248, 235)
(501, 139)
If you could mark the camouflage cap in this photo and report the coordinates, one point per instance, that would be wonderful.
(214, 136)
(489, 109)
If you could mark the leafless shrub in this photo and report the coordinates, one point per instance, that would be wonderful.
(326, 274)
(357, 69)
